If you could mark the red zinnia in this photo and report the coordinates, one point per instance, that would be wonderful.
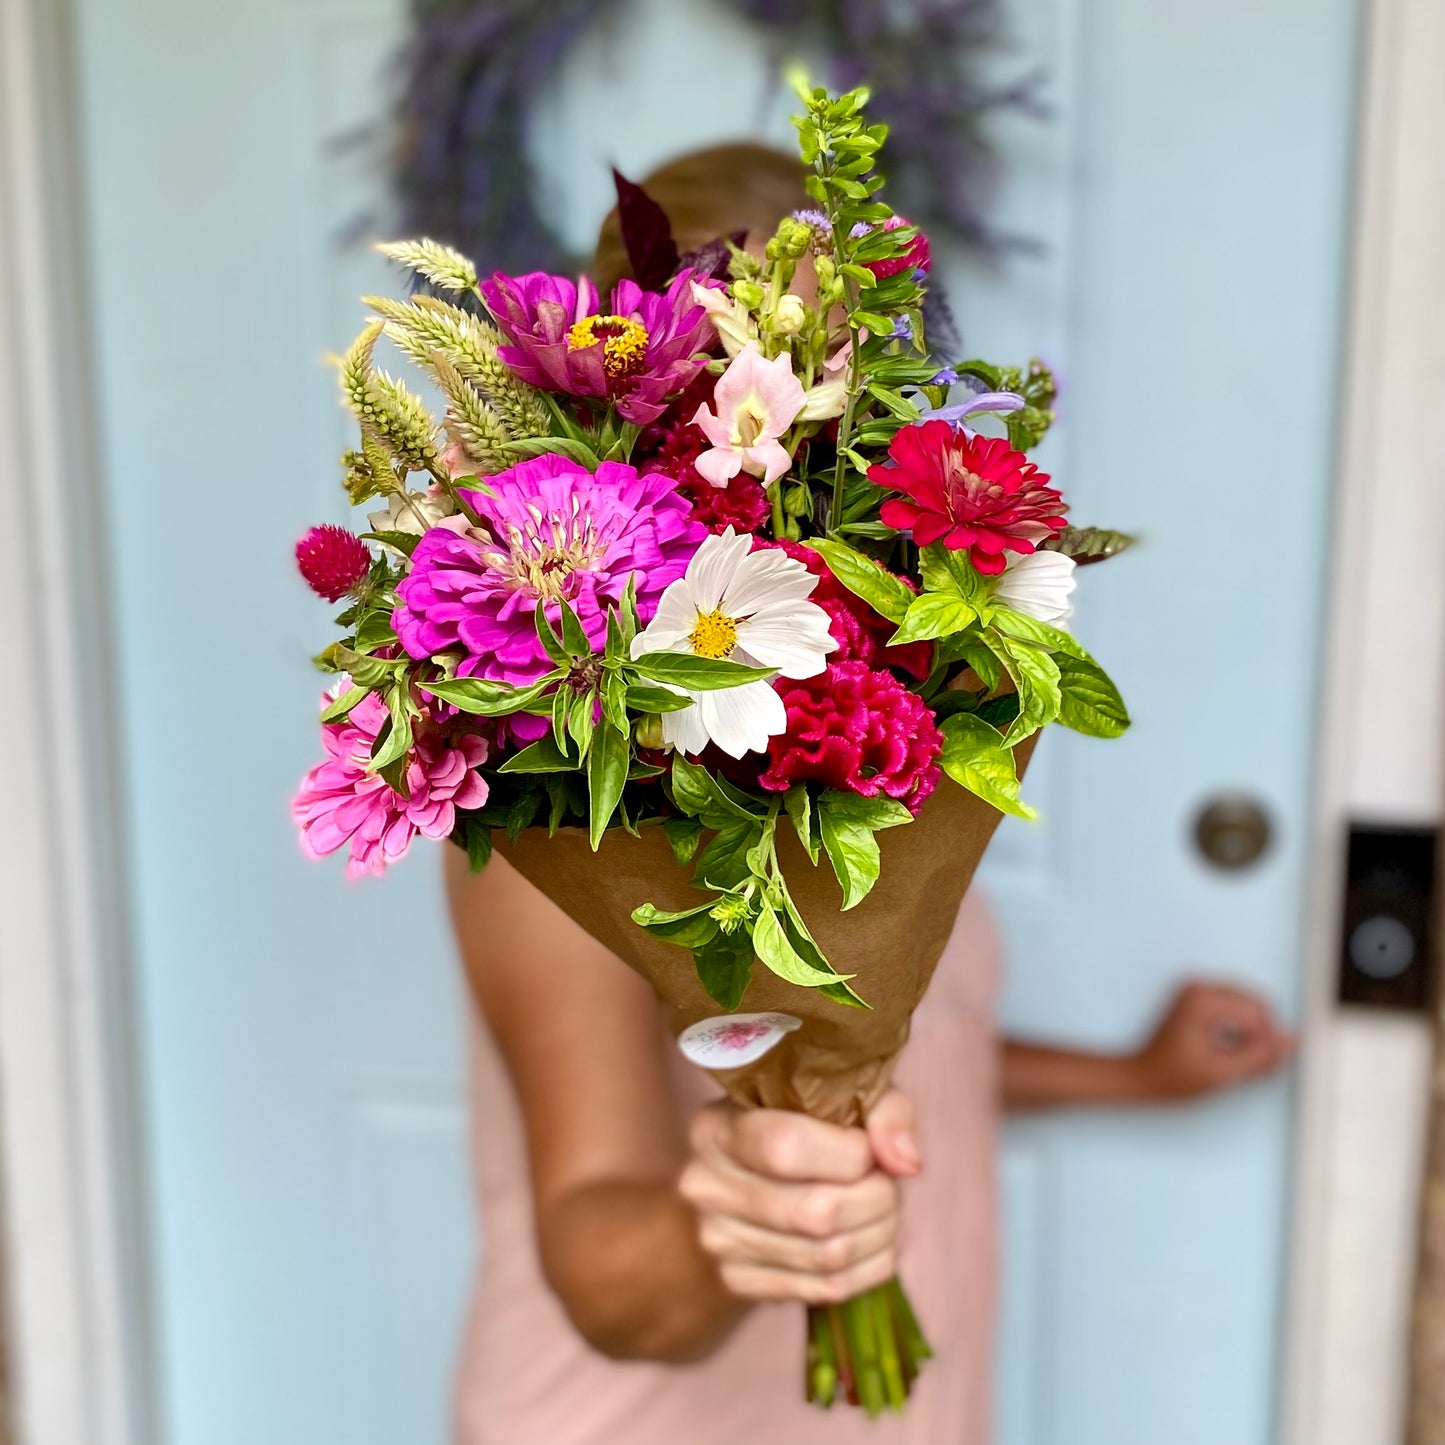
(857, 730)
(974, 493)
(332, 560)
(916, 255)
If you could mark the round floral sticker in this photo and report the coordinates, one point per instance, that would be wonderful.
(733, 1040)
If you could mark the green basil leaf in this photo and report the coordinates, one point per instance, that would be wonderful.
(975, 756)
(522, 814)
(863, 577)
(547, 636)
(690, 928)
(375, 631)
(1088, 700)
(644, 699)
(697, 674)
(684, 834)
(337, 710)
(581, 720)
(482, 697)
(799, 804)
(1030, 629)
(542, 756)
(934, 614)
(978, 656)
(724, 862)
(403, 542)
(606, 777)
(851, 847)
(1036, 676)
(725, 967)
(700, 795)
(807, 948)
(574, 636)
(394, 744)
(773, 948)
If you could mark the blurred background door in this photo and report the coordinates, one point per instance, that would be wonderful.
(303, 1082)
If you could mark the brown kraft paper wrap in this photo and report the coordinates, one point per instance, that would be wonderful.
(839, 1062)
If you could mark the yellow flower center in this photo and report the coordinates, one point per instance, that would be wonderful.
(624, 341)
(714, 634)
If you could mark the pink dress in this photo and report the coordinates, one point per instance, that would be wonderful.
(527, 1378)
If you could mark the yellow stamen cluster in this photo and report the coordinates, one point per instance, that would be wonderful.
(714, 634)
(624, 341)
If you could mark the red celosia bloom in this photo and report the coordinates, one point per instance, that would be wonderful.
(974, 493)
(861, 633)
(857, 730)
(332, 560)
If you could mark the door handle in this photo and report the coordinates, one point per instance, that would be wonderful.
(1232, 831)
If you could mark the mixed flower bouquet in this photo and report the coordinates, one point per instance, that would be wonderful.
(706, 584)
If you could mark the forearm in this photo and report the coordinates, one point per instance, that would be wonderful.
(624, 1259)
(1033, 1076)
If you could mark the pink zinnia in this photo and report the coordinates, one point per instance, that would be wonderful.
(856, 730)
(973, 493)
(332, 560)
(648, 347)
(339, 802)
(551, 530)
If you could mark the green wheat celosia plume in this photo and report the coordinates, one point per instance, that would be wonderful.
(441, 265)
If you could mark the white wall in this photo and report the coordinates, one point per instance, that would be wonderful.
(1366, 1075)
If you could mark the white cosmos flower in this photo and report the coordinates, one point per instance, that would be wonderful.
(749, 607)
(1038, 584)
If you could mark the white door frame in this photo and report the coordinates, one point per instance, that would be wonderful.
(1364, 1081)
(79, 1313)
(77, 1336)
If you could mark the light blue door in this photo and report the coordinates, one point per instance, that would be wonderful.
(303, 1077)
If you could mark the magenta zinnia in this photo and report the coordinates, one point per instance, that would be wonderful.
(551, 530)
(857, 730)
(339, 802)
(647, 348)
(973, 493)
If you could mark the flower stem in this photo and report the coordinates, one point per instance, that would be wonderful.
(775, 495)
(870, 1346)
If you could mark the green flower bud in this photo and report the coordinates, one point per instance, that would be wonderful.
(648, 732)
(731, 913)
(749, 293)
(790, 316)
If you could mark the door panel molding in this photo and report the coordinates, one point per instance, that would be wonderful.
(76, 1306)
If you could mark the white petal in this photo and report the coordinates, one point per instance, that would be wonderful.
(1038, 585)
(790, 636)
(684, 730)
(768, 575)
(712, 568)
(741, 719)
(671, 624)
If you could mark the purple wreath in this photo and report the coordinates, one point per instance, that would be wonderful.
(472, 68)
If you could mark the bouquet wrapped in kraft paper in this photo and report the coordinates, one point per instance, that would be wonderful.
(837, 1062)
(724, 607)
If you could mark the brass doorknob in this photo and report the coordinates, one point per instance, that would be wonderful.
(1232, 831)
